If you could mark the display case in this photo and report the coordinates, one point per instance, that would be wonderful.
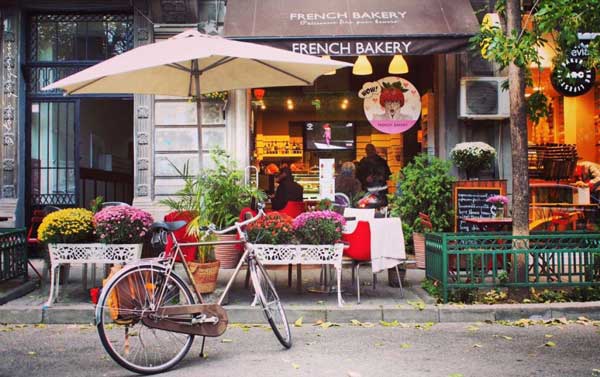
(310, 183)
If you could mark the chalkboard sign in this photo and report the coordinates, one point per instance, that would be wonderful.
(471, 202)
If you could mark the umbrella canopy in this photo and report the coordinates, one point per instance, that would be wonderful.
(192, 63)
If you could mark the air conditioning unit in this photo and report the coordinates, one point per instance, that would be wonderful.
(483, 98)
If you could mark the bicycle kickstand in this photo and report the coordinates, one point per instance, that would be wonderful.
(202, 354)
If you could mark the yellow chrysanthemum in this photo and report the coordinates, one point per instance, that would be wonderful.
(67, 225)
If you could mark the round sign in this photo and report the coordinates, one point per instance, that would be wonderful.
(392, 104)
(574, 78)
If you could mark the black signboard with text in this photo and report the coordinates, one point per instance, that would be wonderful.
(471, 202)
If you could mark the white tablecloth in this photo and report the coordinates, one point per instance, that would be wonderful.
(387, 243)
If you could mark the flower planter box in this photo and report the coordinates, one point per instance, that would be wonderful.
(303, 254)
(82, 253)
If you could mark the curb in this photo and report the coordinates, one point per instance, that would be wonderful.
(84, 313)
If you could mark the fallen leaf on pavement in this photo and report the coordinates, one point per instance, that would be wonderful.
(405, 345)
(298, 322)
(455, 375)
(419, 305)
(548, 336)
(225, 340)
(326, 325)
(31, 353)
(319, 322)
(477, 345)
(295, 366)
(473, 328)
(41, 326)
(550, 344)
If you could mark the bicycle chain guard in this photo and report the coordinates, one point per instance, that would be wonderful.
(179, 318)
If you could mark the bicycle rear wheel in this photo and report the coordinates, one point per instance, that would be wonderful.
(269, 299)
(127, 340)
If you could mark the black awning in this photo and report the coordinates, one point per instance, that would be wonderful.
(354, 27)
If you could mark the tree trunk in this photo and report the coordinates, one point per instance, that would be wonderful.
(518, 138)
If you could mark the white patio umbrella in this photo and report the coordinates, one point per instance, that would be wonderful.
(192, 63)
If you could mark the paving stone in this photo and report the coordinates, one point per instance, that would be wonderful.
(406, 313)
(590, 310)
(18, 315)
(82, 313)
(514, 312)
(245, 314)
(466, 313)
(366, 313)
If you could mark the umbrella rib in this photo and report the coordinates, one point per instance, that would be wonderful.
(179, 67)
(282, 71)
(218, 63)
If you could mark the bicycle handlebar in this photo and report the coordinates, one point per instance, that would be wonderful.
(213, 229)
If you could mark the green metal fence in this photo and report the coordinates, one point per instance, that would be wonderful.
(487, 260)
(13, 254)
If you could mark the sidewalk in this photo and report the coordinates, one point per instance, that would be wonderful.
(382, 303)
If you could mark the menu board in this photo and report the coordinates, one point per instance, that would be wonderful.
(471, 202)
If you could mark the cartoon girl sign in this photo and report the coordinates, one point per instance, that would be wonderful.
(391, 104)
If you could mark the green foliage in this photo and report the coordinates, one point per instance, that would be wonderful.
(217, 195)
(96, 204)
(318, 232)
(493, 296)
(547, 295)
(560, 19)
(425, 186)
(324, 205)
(431, 287)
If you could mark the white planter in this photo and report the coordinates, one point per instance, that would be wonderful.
(81, 253)
(299, 254)
(94, 253)
(303, 254)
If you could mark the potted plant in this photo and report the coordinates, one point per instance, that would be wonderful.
(319, 227)
(122, 228)
(473, 157)
(272, 229)
(65, 227)
(217, 195)
(499, 202)
(424, 186)
(205, 270)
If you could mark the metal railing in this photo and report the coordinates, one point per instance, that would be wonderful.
(13, 254)
(487, 260)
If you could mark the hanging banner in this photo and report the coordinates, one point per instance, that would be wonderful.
(392, 104)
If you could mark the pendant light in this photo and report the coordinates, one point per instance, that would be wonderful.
(398, 65)
(362, 66)
(330, 73)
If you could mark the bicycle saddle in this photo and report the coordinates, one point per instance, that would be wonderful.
(169, 227)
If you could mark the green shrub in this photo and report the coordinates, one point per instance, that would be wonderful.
(425, 185)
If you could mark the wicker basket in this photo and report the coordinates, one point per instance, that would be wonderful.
(228, 254)
(205, 275)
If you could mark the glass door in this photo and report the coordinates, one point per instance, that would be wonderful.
(53, 153)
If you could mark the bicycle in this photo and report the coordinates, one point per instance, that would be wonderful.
(147, 317)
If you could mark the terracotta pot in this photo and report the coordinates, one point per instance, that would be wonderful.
(419, 245)
(228, 255)
(205, 275)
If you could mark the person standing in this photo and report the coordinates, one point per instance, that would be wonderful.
(287, 191)
(373, 171)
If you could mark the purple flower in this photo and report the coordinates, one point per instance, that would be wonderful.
(497, 199)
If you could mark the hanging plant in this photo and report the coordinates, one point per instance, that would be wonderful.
(221, 96)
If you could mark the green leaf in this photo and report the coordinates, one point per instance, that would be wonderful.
(405, 345)
(455, 375)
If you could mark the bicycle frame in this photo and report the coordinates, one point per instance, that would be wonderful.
(172, 259)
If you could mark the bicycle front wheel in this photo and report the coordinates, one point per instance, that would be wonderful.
(269, 299)
(127, 340)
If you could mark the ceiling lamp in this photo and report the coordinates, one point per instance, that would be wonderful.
(290, 104)
(362, 66)
(344, 104)
(398, 65)
(330, 73)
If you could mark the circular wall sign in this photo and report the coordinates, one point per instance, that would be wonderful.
(391, 104)
(574, 79)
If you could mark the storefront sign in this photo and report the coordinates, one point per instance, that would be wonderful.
(573, 78)
(353, 27)
(391, 104)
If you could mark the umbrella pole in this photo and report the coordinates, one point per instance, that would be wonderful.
(196, 75)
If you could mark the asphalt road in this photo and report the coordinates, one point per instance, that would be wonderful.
(441, 350)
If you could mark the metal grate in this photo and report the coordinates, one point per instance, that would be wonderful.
(13, 254)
